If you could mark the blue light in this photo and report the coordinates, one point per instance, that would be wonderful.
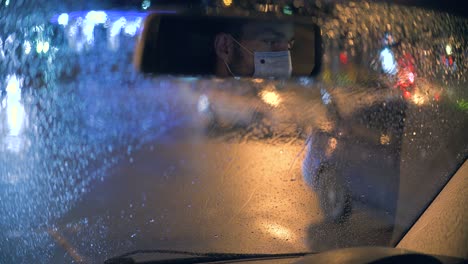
(117, 26)
(73, 30)
(45, 47)
(39, 47)
(189, 79)
(63, 19)
(27, 47)
(388, 61)
(88, 31)
(203, 103)
(111, 15)
(305, 81)
(131, 29)
(14, 108)
(96, 17)
(326, 97)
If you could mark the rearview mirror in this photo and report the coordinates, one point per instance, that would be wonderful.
(183, 45)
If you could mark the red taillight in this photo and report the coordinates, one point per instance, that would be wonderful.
(406, 94)
(344, 58)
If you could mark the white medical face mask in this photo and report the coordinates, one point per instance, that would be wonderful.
(270, 63)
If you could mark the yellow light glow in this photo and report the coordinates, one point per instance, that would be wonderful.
(227, 2)
(384, 139)
(418, 99)
(271, 97)
(257, 80)
(278, 231)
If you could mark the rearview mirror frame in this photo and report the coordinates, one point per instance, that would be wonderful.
(145, 54)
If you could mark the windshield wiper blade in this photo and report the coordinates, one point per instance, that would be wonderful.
(197, 257)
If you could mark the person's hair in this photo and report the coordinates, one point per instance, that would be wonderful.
(232, 26)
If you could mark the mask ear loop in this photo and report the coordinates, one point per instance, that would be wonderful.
(225, 63)
(241, 45)
(229, 68)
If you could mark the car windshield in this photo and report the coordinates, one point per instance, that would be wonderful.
(97, 160)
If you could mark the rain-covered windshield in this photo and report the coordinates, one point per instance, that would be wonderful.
(97, 160)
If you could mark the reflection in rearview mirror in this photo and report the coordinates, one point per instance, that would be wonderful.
(228, 47)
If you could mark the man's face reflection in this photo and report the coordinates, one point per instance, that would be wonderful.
(254, 37)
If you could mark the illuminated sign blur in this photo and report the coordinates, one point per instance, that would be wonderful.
(267, 8)
(99, 16)
(80, 25)
(287, 10)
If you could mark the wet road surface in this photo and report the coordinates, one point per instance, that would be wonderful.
(207, 196)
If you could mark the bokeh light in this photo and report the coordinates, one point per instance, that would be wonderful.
(146, 4)
(39, 46)
(63, 19)
(27, 47)
(271, 97)
(388, 62)
(96, 17)
(203, 103)
(448, 49)
(45, 47)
